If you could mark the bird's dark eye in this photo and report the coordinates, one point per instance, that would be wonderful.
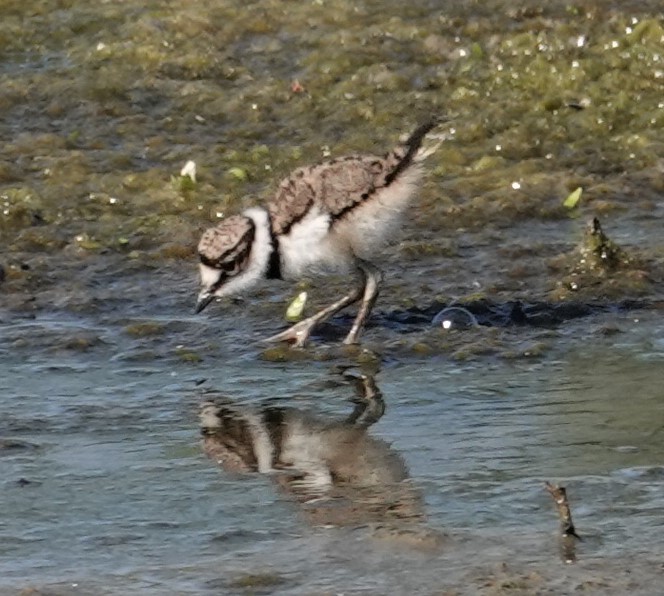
(208, 262)
(230, 268)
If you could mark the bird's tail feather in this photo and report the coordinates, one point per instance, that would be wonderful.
(412, 149)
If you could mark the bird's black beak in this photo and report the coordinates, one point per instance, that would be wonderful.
(203, 300)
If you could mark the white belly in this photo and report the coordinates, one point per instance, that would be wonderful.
(309, 248)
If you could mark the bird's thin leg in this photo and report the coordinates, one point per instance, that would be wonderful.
(300, 332)
(369, 406)
(373, 277)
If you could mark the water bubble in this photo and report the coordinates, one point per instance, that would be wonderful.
(455, 317)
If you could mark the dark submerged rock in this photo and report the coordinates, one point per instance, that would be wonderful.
(8, 446)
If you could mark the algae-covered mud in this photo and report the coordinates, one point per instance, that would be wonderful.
(104, 104)
(518, 337)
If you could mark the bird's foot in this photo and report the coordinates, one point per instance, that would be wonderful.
(353, 338)
(298, 334)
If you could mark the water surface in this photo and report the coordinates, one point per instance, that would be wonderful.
(111, 491)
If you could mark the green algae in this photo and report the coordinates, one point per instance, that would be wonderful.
(257, 581)
(104, 103)
(283, 353)
(145, 329)
(183, 184)
(598, 266)
(599, 253)
(188, 356)
(531, 350)
(78, 343)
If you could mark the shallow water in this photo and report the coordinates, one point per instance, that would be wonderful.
(113, 492)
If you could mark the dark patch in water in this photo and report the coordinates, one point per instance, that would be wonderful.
(506, 314)
(10, 446)
(243, 535)
(487, 313)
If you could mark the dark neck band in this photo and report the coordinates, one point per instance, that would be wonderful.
(274, 265)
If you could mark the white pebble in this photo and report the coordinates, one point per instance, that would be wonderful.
(189, 169)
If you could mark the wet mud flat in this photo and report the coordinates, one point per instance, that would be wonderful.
(100, 119)
(102, 106)
(477, 302)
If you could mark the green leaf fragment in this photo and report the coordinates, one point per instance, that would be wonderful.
(573, 198)
(239, 174)
(183, 183)
(296, 307)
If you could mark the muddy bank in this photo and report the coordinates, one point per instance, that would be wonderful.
(103, 106)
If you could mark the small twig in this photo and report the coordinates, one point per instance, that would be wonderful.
(559, 494)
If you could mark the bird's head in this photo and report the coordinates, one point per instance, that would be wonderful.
(225, 253)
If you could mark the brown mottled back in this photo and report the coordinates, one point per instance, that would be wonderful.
(335, 186)
(338, 185)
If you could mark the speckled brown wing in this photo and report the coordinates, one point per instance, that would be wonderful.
(335, 186)
(227, 245)
(339, 185)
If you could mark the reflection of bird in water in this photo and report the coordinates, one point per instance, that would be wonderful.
(339, 473)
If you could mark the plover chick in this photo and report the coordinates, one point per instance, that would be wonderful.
(332, 217)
